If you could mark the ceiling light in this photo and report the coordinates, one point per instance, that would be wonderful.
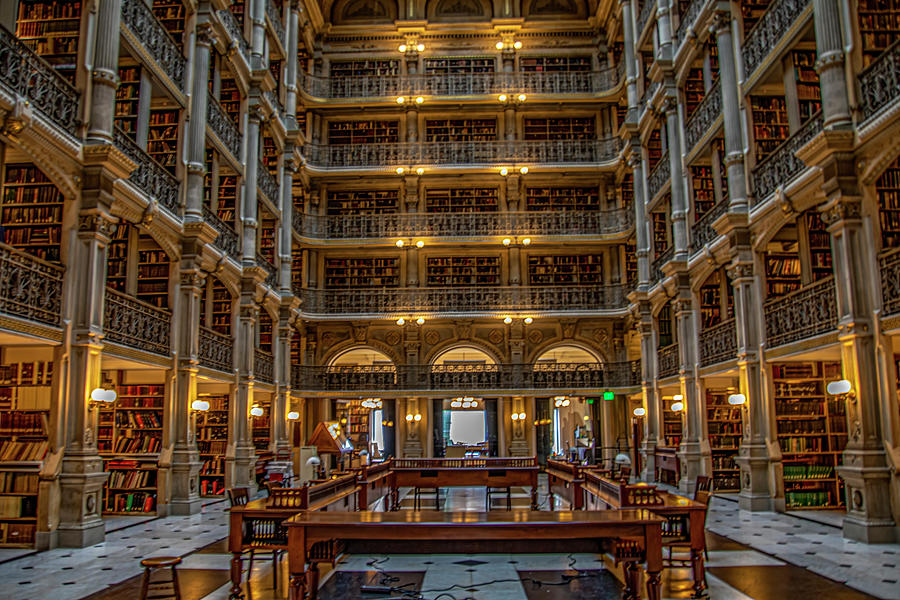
(507, 320)
(293, 415)
(640, 412)
(528, 320)
(420, 321)
(401, 321)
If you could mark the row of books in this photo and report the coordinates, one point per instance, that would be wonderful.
(17, 507)
(22, 451)
(26, 216)
(28, 373)
(803, 444)
(139, 445)
(797, 389)
(18, 483)
(213, 466)
(131, 502)
(212, 447)
(212, 487)
(798, 426)
(725, 428)
(49, 10)
(25, 397)
(35, 194)
(806, 499)
(802, 472)
(34, 235)
(22, 423)
(140, 478)
(138, 419)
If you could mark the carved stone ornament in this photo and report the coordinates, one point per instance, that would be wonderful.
(392, 338)
(553, 7)
(97, 223)
(464, 330)
(432, 337)
(360, 332)
(495, 336)
(535, 336)
(193, 278)
(740, 271)
(601, 336)
(205, 34)
(843, 209)
(568, 329)
(328, 338)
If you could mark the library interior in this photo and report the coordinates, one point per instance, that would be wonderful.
(449, 299)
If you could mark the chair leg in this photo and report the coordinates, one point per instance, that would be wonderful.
(175, 586)
(275, 557)
(250, 568)
(508, 498)
(145, 583)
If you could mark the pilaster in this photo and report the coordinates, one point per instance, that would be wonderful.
(653, 418)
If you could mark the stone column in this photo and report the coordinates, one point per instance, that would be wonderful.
(412, 447)
(285, 246)
(679, 204)
(412, 121)
(692, 454)
(731, 111)
(249, 200)
(631, 72)
(256, 12)
(518, 444)
(105, 75)
(282, 400)
(241, 452)
(830, 64)
(653, 427)
(290, 76)
(608, 434)
(641, 225)
(196, 139)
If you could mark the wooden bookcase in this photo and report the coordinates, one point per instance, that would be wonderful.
(711, 301)
(704, 190)
(664, 326)
(462, 64)
(560, 128)
(171, 14)
(152, 274)
(626, 191)
(458, 200)
(266, 331)
(270, 154)
(221, 310)
(230, 98)
(261, 427)
(52, 29)
(362, 202)
(654, 149)
(770, 124)
(562, 199)
(718, 155)
(297, 268)
(462, 271)
(162, 138)
(228, 187)
(819, 246)
(275, 68)
(364, 68)
(212, 441)
(237, 9)
(672, 426)
(631, 265)
(357, 427)
(363, 132)
(725, 427)
(694, 91)
(460, 130)
(809, 95)
(268, 235)
(127, 99)
(31, 212)
(782, 270)
(812, 432)
(530, 64)
(879, 26)
(344, 273)
(660, 228)
(579, 269)
(887, 188)
(117, 258)
(25, 395)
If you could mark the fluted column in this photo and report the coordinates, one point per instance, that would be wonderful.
(694, 450)
(196, 140)
(249, 202)
(241, 455)
(679, 203)
(105, 73)
(830, 64)
(731, 112)
(651, 401)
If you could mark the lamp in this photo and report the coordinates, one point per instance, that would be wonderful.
(677, 406)
(420, 321)
(504, 171)
(402, 48)
(420, 244)
(401, 321)
(417, 418)
(420, 170)
(515, 416)
(293, 415)
(640, 411)
(521, 416)
(400, 170)
(419, 99)
(409, 418)
(837, 388)
(528, 320)
(507, 320)
(256, 411)
(678, 397)
(401, 100)
(737, 399)
(523, 170)
(200, 405)
(102, 396)
(420, 47)
(502, 97)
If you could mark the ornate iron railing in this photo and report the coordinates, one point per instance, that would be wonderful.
(146, 29)
(267, 184)
(263, 366)
(136, 324)
(462, 153)
(703, 232)
(765, 36)
(704, 116)
(782, 166)
(28, 75)
(227, 241)
(275, 19)
(271, 272)
(668, 360)
(461, 84)
(223, 127)
(149, 176)
(604, 222)
(879, 84)
(718, 343)
(807, 312)
(890, 282)
(29, 287)
(687, 20)
(656, 266)
(216, 350)
(646, 10)
(659, 176)
(463, 299)
(235, 32)
(649, 92)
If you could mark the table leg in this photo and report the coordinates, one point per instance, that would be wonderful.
(697, 569)
(653, 585)
(313, 581)
(534, 497)
(297, 586)
(631, 591)
(236, 574)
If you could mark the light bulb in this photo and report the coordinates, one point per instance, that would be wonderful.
(417, 418)
(736, 399)
(419, 171)
(521, 416)
(293, 415)
(517, 45)
(836, 388)
(515, 416)
(499, 45)
(528, 320)
(640, 412)
(401, 100)
(420, 244)
(200, 405)
(420, 47)
(566, 402)
(420, 100)
(587, 418)
(523, 170)
(420, 321)
(507, 241)
(526, 241)
(400, 170)
(401, 321)
(677, 397)
(677, 406)
(507, 320)
(502, 97)
(409, 418)
(504, 171)
(101, 395)
(522, 97)
(399, 243)
(256, 411)
(402, 48)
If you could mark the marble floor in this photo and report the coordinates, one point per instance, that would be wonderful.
(759, 556)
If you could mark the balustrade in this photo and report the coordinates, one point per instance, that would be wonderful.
(146, 29)
(706, 113)
(149, 176)
(687, 21)
(271, 272)
(656, 266)
(267, 184)
(718, 343)
(879, 84)
(216, 350)
(782, 166)
(702, 233)
(28, 75)
(235, 33)
(274, 15)
(890, 282)
(30, 288)
(668, 360)
(136, 324)
(646, 10)
(659, 176)
(263, 366)
(227, 241)
(223, 127)
(807, 312)
(766, 35)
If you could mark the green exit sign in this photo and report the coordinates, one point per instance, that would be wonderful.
(609, 396)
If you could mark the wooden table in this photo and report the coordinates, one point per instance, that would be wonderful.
(464, 472)
(374, 482)
(564, 479)
(639, 532)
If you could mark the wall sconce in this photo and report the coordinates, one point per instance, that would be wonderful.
(523, 170)
(400, 170)
(256, 411)
(512, 98)
(737, 399)
(101, 396)
(507, 241)
(561, 401)
(420, 171)
(504, 171)
(410, 418)
(419, 99)
(518, 416)
(508, 46)
(639, 411)
(839, 388)
(411, 48)
(419, 244)
(507, 320)
(401, 321)
(200, 405)
(293, 415)
(677, 406)
(528, 320)
(677, 397)
(401, 100)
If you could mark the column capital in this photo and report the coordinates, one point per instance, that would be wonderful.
(841, 209)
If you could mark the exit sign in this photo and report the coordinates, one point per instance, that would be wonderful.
(609, 396)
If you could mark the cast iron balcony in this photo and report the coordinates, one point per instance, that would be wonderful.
(136, 324)
(668, 360)
(766, 36)
(26, 74)
(267, 184)
(718, 343)
(879, 84)
(271, 272)
(890, 282)
(686, 22)
(647, 9)
(656, 274)
(782, 166)
(263, 366)
(30, 288)
(145, 29)
(707, 113)
(223, 128)
(274, 15)
(216, 350)
(235, 33)
(702, 232)
(659, 177)
(802, 314)
(227, 241)
(149, 177)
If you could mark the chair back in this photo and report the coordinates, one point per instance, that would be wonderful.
(704, 484)
(703, 497)
(238, 496)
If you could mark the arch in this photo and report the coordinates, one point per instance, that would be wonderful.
(368, 11)
(466, 350)
(458, 10)
(43, 156)
(549, 9)
(568, 351)
(352, 353)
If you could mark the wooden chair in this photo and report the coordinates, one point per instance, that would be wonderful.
(704, 484)
(493, 491)
(160, 562)
(240, 497)
(676, 533)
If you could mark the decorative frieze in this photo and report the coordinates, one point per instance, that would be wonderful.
(807, 312)
(136, 324)
(30, 288)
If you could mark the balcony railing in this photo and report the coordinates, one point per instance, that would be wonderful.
(271, 272)
(559, 376)
(687, 20)
(718, 343)
(604, 222)
(147, 30)
(28, 75)
(227, 241)
(264, 366)
(462, 153)
(668, 360)
(646, 10)
(879, 84)
(890, 282)
(30, 288)
(267, 184)
(235, 33)
(782, 166)
(149, 176)
(136, 324)
(703, 232)
(463, 299)
(656, 266)
(274, 16)
(460, 84)
(223, 127)
(216, 350)
(765, 36)
(659, 176)
(807, 312)
(704, 116)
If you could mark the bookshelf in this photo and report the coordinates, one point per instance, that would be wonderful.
(270, 154)
(227, 196)
(171, 14)
(462, 64)
(809, 95)
(819, 246)
(631, 265)
(752, 11)
(566, 64)
(562, 199)
(344, 273)
(694, 91)
(580, 269)
(812, 432)
(626, 191)
(664, 326)
(462, 200)
(887, 188)
(117, 255)
(221, 310)
(711, 301)
(266, 331)
(462, 271)
(31, 212)
(782, 264)
(296, 348)
(297, 269)
(162, 138)
(362, 202)
(357, 427)
(237, 9)
(152, 273)
(561, 128)
(363, 132)
(52, 29)
(654, 149)
(460, 130)
(770, 124)
(718, 156)
(260, 427)
(212, 440)
(275, 68)
(704, 190)
(712, 51)
(879, 26)
(230, 98)
(127, 99)
(268, 230)
(660, 229)
(25, 389)
(672, 426)
(364, 68)
(725, 428)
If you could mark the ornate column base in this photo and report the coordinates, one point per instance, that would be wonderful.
(757, 480)
(184, 477)
(519, 448)
(648, 460)
(81, 501)
(867, 480)
(243, 469)
(690, 458)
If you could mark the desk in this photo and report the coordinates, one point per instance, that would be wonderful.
(464, 472)
(637, 535)
(564, 479)
(374, 482)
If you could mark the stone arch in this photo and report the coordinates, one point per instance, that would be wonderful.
(336, 352)
(368, 11)
(552, 345)
(41, 154)
(554, 9)
(438, 351)
(458, 10)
